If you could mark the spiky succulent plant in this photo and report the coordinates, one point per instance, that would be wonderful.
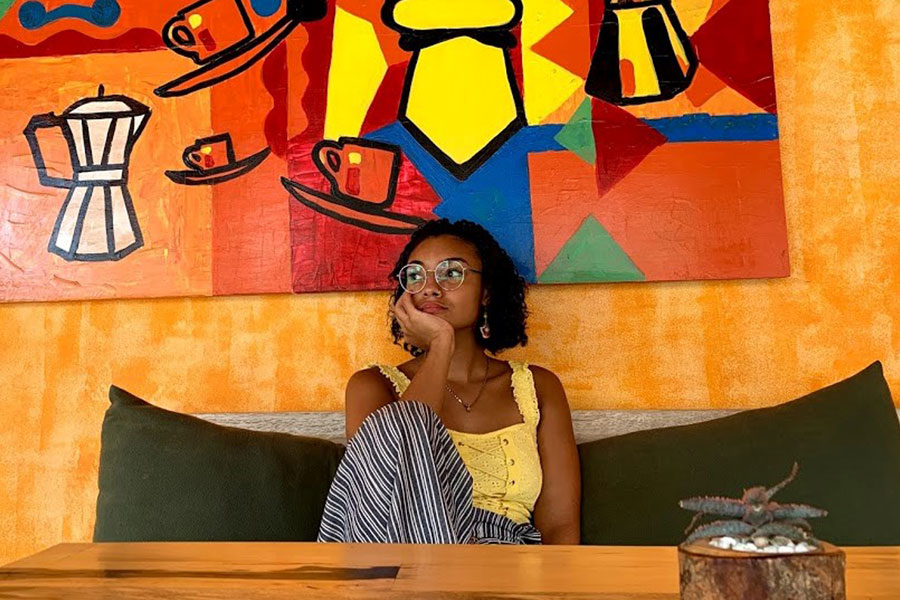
(753, 515)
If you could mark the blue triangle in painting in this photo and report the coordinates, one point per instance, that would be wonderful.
(591, 255)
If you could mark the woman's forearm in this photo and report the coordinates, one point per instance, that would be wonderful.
(428, 384)
(563, 534)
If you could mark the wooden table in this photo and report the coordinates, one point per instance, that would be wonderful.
(336, 571)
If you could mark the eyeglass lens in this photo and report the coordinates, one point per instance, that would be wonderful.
(449, 275)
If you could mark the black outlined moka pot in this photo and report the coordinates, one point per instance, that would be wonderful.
(97, 221)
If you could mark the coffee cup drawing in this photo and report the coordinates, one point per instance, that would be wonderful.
(208, 153)
(212, 160)
(206, 29)
(363, 175)
(219, 36)
(359, 169)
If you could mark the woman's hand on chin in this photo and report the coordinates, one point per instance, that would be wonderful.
(421, 329)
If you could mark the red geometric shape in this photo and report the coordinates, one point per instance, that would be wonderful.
(702, 210)
(515, 56)
(596, 11)
(622, 141)
(714, 7)
(274, 78)
(74, 42)
(315, 60)
(386, 103)
(569, 44)
(736, 45)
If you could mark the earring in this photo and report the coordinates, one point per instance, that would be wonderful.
(485, 329)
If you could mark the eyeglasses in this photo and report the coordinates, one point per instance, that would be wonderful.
(448, 274)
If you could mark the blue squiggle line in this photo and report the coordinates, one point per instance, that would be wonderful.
(102, 13)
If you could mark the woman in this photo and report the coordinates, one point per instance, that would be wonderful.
(455, 446)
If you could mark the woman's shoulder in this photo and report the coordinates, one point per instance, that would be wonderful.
(374, 368)
(541, 375)
(547, 385)
(375, 375)
(367, 377)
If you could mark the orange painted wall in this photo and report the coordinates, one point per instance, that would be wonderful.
(674, 345)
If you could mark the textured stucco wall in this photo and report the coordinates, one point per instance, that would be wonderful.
(677, 345)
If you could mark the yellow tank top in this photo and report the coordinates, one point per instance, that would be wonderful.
(505, 464)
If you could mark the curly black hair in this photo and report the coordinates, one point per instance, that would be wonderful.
(505, 288)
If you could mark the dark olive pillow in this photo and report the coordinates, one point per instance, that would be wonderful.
(846, 438)
(170, 476)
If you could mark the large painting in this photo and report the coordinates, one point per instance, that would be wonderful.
(174, 148)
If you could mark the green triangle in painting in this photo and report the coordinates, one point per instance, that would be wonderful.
(591, 255)
(577, 136)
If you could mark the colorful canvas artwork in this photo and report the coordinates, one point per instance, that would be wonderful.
(175, 148)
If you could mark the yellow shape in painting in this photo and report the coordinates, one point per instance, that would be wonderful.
(547, 85)
(206, 149)
(460, 96)
(633, 47)
(195, 21)
(357, 68)
(691, 13)
(354, 158)
(459, 14)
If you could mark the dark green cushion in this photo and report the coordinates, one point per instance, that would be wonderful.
(170, 476)
(845, 437)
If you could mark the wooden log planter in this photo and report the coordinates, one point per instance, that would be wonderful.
(710, 573)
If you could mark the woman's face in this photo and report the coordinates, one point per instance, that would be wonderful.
(459, 307)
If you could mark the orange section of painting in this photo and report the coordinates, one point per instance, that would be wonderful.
(626, 73)
(700, 209)
(567, 108)
(561, 203)
(175, 220)
(251, 233)
(687, 210)
(724, 102)
(705, 86)
(692, 344)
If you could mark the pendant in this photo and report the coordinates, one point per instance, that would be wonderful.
(468, 408)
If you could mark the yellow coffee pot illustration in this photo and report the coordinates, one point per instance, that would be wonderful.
(642, 55)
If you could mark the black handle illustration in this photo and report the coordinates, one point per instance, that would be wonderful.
(44, 121)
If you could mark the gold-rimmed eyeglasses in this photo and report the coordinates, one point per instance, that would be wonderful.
(448, 274)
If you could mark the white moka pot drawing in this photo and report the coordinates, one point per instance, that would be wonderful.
(97, 221)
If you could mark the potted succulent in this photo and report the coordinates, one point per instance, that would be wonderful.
(757, 548)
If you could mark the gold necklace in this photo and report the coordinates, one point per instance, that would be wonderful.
(468, 407)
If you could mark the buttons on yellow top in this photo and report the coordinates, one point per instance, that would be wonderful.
(505, 465)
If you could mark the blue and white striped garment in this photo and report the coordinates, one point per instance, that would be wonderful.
(402, 481)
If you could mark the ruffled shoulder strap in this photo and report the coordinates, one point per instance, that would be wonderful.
(525, 393)
(394, 375)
